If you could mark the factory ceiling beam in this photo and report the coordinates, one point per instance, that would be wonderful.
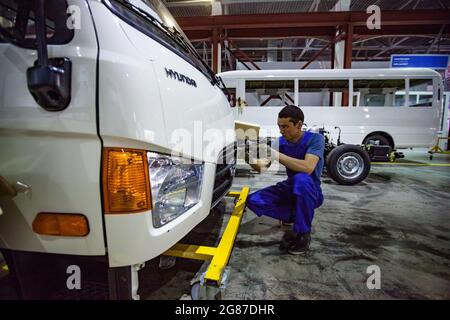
(308, 42)
(314, 19)
(280, 32)
(380, 37)
(315, 48)
(260, 33)
(316, 24)
(403, 30)
(321, 32)
(393, 46)
(320, 25)
(407, 3)
(337, 38)
(438, 37)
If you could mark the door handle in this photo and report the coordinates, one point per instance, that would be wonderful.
(6, 189)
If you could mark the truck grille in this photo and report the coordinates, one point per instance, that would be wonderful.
(225, 168)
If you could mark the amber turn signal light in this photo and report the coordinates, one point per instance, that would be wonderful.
(61, 224)
(126, 186)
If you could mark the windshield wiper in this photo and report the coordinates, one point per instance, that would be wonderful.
(131, 6)
(157, 23)
(179, 38)
(224, 87)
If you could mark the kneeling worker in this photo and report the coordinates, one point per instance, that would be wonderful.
(292, 200)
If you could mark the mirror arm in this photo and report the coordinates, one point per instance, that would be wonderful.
(41, 35)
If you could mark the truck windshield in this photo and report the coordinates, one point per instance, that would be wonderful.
(163, 14)
(152, 18)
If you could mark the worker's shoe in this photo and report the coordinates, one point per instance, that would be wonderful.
(301, 244)
(287, 240)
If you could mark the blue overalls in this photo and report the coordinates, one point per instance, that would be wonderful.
(297, 196)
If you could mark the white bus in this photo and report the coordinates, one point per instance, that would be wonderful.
(384, 108)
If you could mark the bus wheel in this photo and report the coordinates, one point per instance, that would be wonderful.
(348, 164)
(377, 139)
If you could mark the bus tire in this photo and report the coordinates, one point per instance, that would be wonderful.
(348, 164)
(374, 138)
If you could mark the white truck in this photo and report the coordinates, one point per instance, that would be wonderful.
(113, 133)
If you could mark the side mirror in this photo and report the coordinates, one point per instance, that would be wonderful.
(48, 81)
(50, 84)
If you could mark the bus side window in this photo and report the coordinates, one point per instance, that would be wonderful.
(271, 93)
(323, 93)
(380, 92)
(231, 97)
(423, 90)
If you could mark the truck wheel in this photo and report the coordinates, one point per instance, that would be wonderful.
(348, 164)
(377, 139)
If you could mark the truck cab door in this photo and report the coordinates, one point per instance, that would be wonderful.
(48, 138)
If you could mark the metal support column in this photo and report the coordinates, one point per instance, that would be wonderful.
(348, 54)
(215, 50)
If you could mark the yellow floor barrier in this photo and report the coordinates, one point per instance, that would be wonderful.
(3, 269)
(437, 148)
(213, 280)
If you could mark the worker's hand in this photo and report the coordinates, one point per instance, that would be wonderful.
(261, 165)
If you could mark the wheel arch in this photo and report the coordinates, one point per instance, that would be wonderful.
(381, 133)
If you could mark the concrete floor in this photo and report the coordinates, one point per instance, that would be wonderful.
(397, 219)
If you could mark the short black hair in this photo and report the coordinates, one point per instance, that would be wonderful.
(293, 112)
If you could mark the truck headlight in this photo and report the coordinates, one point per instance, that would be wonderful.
(176, 185)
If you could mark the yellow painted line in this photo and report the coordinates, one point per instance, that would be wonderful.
(190, 251)
(413, 164)
(220, 259)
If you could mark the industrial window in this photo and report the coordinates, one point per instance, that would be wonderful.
(269, 93)
(378, 92)
(323, 93)
(17, 22)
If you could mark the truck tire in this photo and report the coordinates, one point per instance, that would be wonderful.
(377, 138)
(348, 164)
